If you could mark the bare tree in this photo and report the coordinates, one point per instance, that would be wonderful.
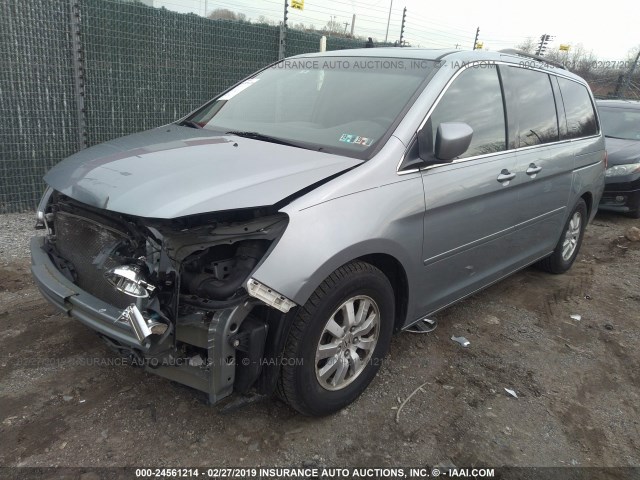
(226, 14)
(266, 21)
(631, 54)
(528, 45)
(333, 26)
(578, 58)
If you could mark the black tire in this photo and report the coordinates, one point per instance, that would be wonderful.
(299, 384)
(556, 263)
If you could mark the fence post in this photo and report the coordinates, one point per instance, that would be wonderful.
(283, 33)
(627, 80)
(77, 60)
(404, 22)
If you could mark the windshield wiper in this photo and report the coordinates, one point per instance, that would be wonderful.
(264, 138)
(190, 123)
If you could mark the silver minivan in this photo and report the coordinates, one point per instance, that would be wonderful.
(276, 237)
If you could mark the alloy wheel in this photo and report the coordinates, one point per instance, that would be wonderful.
(571, 236)
(347, 342)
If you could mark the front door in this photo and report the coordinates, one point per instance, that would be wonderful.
(470, 203)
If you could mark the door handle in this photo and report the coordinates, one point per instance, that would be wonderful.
(505, 177)
(533, 170)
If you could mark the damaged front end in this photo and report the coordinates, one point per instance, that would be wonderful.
(175, 296)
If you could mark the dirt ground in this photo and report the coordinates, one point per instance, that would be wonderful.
(577, 381)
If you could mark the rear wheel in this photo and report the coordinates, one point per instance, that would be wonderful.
(569, 244)
(338, 340)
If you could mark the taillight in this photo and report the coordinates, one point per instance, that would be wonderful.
(606, 160)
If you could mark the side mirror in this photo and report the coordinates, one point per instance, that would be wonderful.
(452, 140)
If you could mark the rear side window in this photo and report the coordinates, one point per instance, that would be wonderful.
(475, 98)
(581, 116)
(537, 118)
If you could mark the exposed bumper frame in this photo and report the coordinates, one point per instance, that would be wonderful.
(215, 379)
(75, 302)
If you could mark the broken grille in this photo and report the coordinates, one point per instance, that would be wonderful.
(87, 245)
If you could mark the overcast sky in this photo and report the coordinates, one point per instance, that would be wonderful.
(611, 30)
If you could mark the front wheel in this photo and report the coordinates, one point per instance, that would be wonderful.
(338, 340)
(570, 241)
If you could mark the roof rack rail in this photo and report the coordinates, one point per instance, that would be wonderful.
(513, 51)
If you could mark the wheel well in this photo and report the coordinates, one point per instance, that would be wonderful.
(397, 276)
(588, 199)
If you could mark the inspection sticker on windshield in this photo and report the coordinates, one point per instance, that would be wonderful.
(346, 138)
(243, 86)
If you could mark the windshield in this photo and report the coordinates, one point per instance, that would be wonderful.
(343, 105)
(620, 123)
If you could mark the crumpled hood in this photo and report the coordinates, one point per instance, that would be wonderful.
(174, 171)
(620, 152)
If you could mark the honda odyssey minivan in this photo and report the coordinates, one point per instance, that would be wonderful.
(275, 238)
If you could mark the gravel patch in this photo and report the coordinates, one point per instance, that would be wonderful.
(16, 229)
(66, 401)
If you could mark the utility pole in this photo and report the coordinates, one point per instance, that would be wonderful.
(627, 80)
(475, 42)
(353, 23)
(386, 37)
(346, 25)
(404, 19)
(283, 32)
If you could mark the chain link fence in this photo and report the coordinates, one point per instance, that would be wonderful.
(38, 126)
(80, 72)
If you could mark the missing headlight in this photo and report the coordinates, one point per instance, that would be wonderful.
(219, 272)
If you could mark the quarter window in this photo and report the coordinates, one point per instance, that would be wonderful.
(537, 118)
(475, 98)
(581, 117)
